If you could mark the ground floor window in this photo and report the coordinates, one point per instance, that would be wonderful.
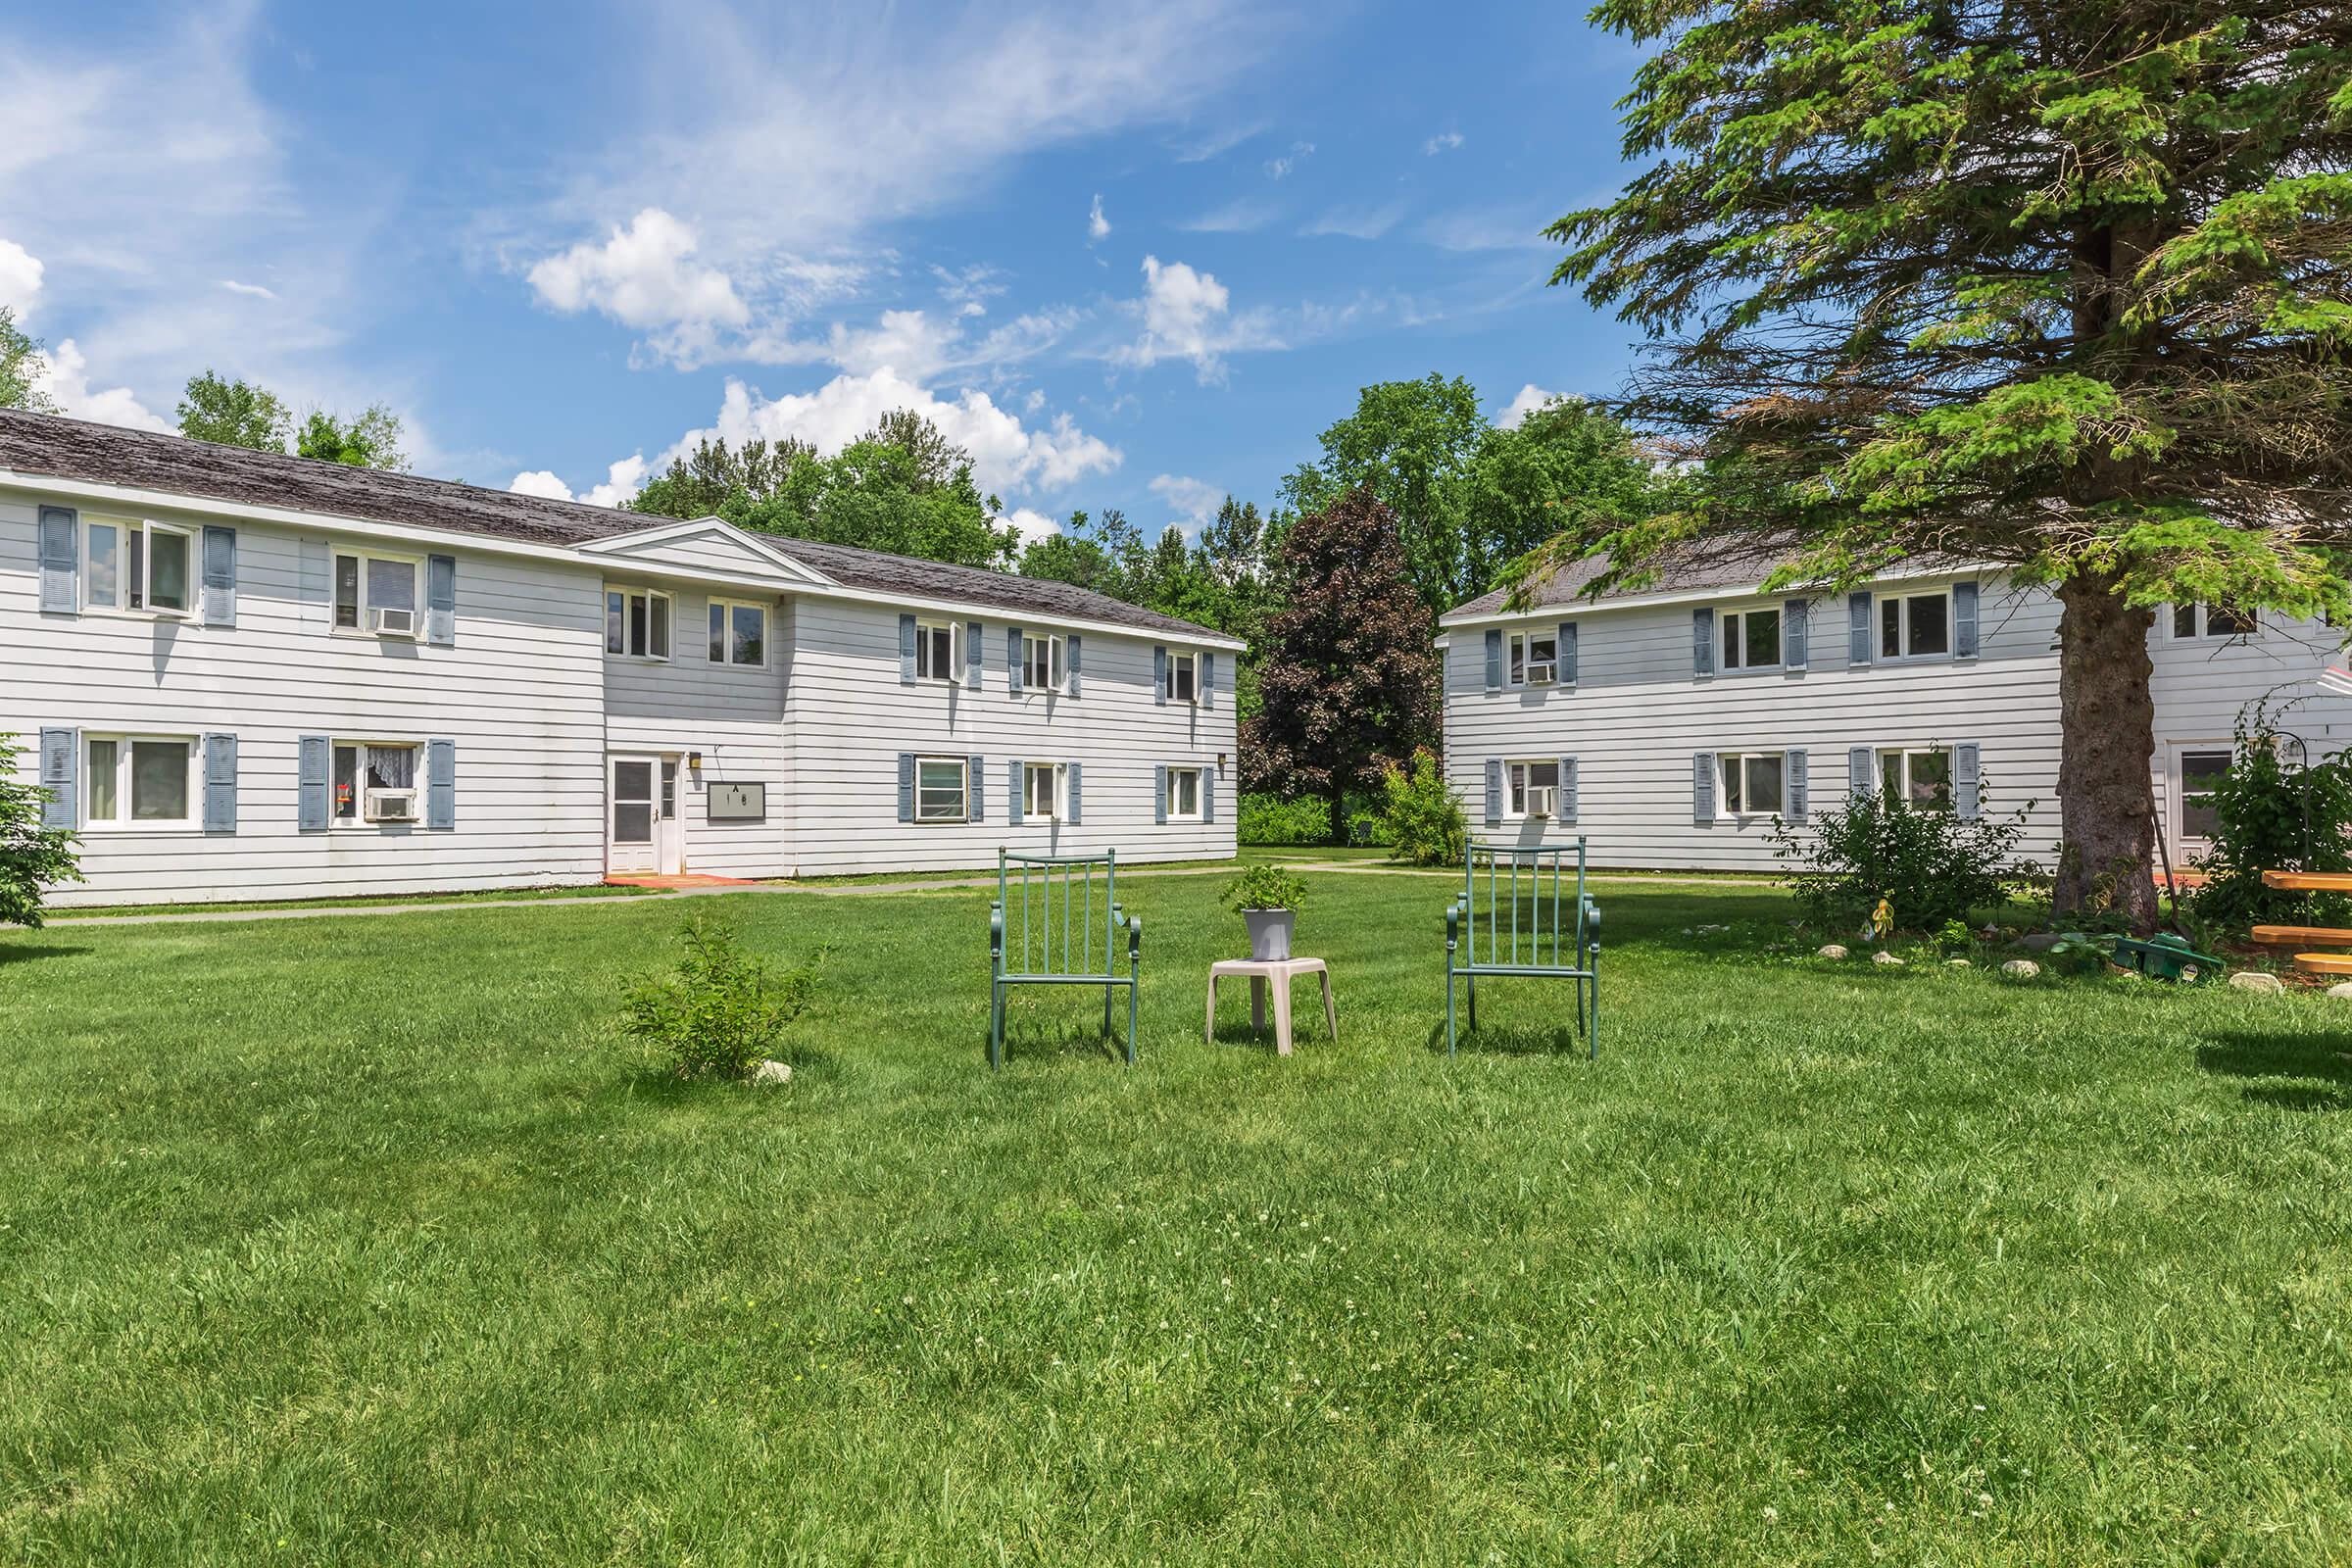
(1041, 791)
(940, 789)
(1184, 795)
(139, 779)
(1535, 788)
(1752, 783)
(1921, 776)
(374, 781)
(2200, 771)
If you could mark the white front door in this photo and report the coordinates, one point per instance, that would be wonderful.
(632, 824)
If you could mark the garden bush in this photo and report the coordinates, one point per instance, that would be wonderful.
(1423, 822)
(721, 1014)
(1930, 863)
(1270, 819)
(2269, 815)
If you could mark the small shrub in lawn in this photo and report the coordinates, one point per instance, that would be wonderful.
(31, 856)
(1423, 822)
(1928, 861)
(1264, 886)
(721, 1013)
(1269, 819)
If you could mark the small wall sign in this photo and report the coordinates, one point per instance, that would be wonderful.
(736, 803)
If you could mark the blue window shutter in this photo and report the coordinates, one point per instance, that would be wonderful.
(441, 600)
(1702, 786)
(1568, 790)
(1071, 686)
(1566, 650)
(1012, 664)
(905, 786)
(220, 783)
(1159, 676)
(1792, 634)
(1964, 620)
(1857, 626)
(1860, 765)
(1702, 642)
(906, 650)
(1796, 791)
(1209, 680)
(973, 633)
(1077, 815)
(1493, 660)
(61, 561)
(1493, 791)
(218, 598)
(1017, 804)
(1967, 782)
(1209, 795)
(1159, 794)
(440, 784)
(975, 792)
(312, 761)
(60, 757)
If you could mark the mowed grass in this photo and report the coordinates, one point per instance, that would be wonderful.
(372, 1242)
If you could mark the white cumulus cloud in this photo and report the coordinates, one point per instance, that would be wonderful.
(1033, 525)
(1193, 501)
(1188, 315)
(1530, 398)
(67, 378)
(20, 277)
(622, 480)
(1097, 225)
(645, 276)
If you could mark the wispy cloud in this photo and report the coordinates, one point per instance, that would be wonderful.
(1097, 225)
(1279, 168)
(1488, 229)
(249, 290)
(1360, 223)
(1200, 149)
(1445, 141)
(1241, 217)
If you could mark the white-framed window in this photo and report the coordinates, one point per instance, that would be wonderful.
(637, 622)
(940, 789)
(737, 633)
(2197, 621)
(1535, 787)
(1184, 677)
(1754, 783)
(1916, 625)
(935, 651)
(1042, 791)
(1751, 639)
(139, 781)
(1045, 663)
(144, 567)
(1535, 657)
(2200, 769)
(1920, 774)
(1184, 795)
(378, 595)
(376, 781)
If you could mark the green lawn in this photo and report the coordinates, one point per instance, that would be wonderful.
(370, 1242)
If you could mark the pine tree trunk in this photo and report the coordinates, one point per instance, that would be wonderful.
(2105, 801)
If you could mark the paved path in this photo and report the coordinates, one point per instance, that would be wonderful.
(351, 911)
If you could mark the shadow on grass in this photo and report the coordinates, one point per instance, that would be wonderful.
(1511, 1040)
(26, 952)
(2324, 1062)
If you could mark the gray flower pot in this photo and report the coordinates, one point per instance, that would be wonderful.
(1269, 933)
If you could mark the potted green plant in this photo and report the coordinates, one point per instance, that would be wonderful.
(1268, 899)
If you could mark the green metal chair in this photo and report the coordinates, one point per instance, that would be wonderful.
(1058, 926)
(1530, 927)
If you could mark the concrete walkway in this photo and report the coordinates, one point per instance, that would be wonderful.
(351, 911)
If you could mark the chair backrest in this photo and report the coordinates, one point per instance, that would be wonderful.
(1053, 910)
(1519, 901)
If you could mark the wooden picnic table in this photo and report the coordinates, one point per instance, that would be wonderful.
(2309, 881)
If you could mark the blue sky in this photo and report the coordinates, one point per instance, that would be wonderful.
(1132, 255)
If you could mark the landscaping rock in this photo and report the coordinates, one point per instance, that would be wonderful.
(1887, 958)
(772, 1072)
(1958, 964)
(2342, 990)
(2021, 968)
(2261, 984)
(1832, 951)
(2040, 940)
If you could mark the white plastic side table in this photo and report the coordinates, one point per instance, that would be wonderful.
(1281, 972)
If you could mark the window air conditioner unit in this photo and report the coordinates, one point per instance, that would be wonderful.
(1540, 673)
(396, 623)
(391, 806)
(1542, 799)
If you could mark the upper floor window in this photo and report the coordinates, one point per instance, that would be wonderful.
(934, 650)
(136, 566)
(2211, 621)
(1184, 677)
(376, 593)
(738, 633)
(1535, 788)
(1751, 639)
(139, 781)
(1535, 657)
(637, 622)
(1915, 625)
(1045, 663)
(1921, 776)
(1752, 783)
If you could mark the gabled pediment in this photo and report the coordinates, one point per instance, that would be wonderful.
(708, 545)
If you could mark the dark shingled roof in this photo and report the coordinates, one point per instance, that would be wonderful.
(37, 444)
(1739, 562)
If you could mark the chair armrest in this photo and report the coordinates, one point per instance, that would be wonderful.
(1133, 925)
(996, 935)
(1454, 922)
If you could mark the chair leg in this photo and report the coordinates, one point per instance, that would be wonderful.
(1208, 1036)
(995, 1026)
(1471, 981)
(1331, 1016)
(1282, 1015)
(1449, 1012)
(1135, 991)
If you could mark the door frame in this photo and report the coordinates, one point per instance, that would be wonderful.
(665, 853)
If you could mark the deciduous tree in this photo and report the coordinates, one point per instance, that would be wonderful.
(233, 413)
(33, 857)
(21, 368)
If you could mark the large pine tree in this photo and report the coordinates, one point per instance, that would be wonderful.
(2061, 287)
